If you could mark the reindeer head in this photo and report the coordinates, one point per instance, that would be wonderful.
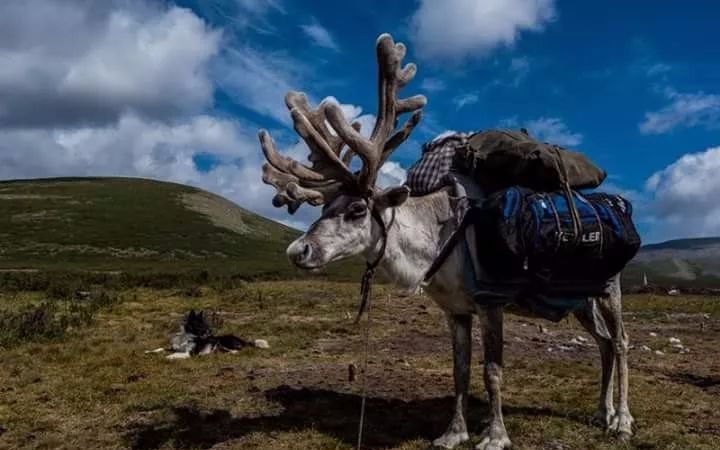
(351, 221)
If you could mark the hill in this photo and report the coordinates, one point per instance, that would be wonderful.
(138, 225)
(683, 262)
(124, 224)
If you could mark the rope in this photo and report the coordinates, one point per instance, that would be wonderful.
(371, 267)
(366, 354)
(365, 301)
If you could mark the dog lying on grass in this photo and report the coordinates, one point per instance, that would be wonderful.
(196, 338)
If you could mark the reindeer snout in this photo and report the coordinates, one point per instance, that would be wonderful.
(300, 253)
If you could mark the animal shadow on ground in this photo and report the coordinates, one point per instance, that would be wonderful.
(389, 422)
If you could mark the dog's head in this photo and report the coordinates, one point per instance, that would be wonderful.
(196, 324)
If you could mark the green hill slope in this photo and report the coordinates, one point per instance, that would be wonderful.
(133, 224)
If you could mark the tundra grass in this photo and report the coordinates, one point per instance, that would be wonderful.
(94, 387)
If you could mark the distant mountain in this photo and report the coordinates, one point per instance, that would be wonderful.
(683, 262)
(128, 224)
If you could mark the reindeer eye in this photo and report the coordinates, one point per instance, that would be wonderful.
(356, 210)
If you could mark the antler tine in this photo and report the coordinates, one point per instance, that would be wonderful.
(294, 182)
(391, 77)
(400, 136)
(325, 148)
(283, 163)
(330, 172)
(299, 101)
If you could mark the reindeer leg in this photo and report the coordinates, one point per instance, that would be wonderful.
(460, 329)
(606, 408)
(611, 309)
(495, 436)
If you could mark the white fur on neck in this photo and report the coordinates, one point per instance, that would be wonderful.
(412, 241)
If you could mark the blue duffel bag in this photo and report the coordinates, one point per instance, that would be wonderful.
(561, 247)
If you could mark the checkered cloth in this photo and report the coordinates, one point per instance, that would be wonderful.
(431, 172)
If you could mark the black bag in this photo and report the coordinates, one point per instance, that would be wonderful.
(498, 159)
(531, 235)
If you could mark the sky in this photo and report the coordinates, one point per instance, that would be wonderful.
(177, 90)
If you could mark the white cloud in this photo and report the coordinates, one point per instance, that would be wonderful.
(554, 131)
(259, 7)
(684, 110)
(519, 69)
(391, 174)
(72, 63)
(122, 88)
(433, 84)
(320, 36)
(456, 29)
(466, 99)
(259, 80)
(657, 69)
(684, 197)
(242, 16)
(139, 148)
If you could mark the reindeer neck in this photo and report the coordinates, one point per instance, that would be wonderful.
(415, 230)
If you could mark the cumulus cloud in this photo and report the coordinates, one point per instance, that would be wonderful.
(682, 197)
(456, 29)
(320, 36)
(77, 63)
(125, 88)
(683, 111)
(136, 147)
(391, 174)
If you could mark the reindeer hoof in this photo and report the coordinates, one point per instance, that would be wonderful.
(603, 418)
(621, 425)
(494, 442)
(451, 439)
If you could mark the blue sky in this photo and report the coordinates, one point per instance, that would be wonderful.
(177, 90)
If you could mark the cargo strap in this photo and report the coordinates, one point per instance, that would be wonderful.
(449, 245)
(567, 190)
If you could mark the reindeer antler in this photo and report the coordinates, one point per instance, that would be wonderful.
(330, 172)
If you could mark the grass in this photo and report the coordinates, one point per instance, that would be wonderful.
(101, 223)
(93, 386)
(38, 319)
(138, 226)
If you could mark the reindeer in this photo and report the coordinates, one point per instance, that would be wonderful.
(403, 234)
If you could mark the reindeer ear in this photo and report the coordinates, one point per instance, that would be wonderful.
(392, 197)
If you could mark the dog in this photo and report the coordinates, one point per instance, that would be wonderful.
(196, 338)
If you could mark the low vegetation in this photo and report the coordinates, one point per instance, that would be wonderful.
(51, 318)
(149, 232)
(92, 386)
